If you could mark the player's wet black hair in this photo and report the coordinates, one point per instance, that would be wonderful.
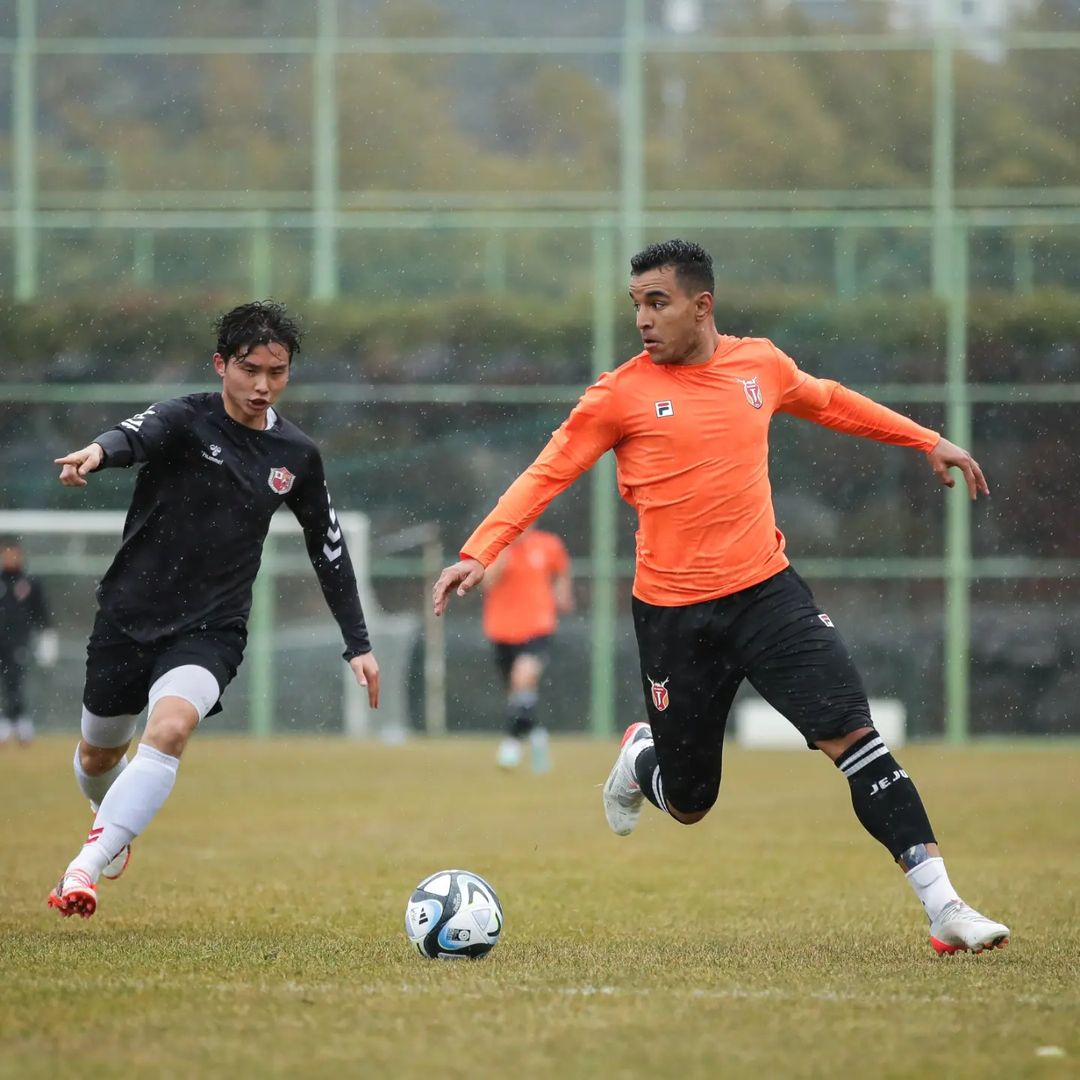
(261, 322)
(692, 263)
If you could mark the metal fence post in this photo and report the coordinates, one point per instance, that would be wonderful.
(24, 112)
(957, 505)
(604, 540)
(261, 649)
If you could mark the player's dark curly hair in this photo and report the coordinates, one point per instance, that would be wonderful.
(258, 323)
(692, 263)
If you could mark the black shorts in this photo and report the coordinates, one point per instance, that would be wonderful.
(694, 658)
(505, 655)
(120, 670)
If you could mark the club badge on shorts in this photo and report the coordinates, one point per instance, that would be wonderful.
(660, 697)
(280, 481)
(752, 391)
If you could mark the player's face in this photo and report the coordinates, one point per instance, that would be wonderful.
(11, 560)
(253, 381)
(669, 318)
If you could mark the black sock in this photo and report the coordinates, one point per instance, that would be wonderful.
(885, 799)
(647, 774)
(519, 722)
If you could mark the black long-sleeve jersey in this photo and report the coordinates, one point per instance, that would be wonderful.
(23, 611)
(199, 515)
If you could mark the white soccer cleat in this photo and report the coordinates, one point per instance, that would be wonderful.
(622, 793)
(509, 753)
(119, 864)
(960, 928)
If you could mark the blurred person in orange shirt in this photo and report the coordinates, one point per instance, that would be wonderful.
(526, 589)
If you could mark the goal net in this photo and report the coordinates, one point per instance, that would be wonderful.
(293, 679)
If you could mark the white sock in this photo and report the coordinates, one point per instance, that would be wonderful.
(94, 787)
(932, 886)
(127, 808)
(24, 729)
(5, 729)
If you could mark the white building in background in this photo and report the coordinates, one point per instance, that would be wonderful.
(978, 23)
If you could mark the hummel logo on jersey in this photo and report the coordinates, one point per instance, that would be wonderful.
(213, 455)
(660, 698)
(665, 408)
(133, 423)
(752, 391)
(280, 481)
(826, 620)
(332, 548)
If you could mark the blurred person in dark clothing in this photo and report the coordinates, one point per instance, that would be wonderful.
(25, 628)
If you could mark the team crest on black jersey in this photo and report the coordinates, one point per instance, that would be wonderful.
(281, 481)
(752, 391)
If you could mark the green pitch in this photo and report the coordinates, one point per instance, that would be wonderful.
(259, 929)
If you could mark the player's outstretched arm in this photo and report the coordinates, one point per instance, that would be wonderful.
(462, 576)
(946, 456)
(78, 463)
(366, 671)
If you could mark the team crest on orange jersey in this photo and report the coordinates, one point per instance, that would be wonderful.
(660, 697)
(752, 391)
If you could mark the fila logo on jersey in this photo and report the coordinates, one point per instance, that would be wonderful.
(665, 408)
(826, 620)
(752, 391)
(281, 481)
(660, 698)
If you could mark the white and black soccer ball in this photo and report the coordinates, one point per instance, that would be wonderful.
(453, 913)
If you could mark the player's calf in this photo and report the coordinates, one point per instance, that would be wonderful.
(884, 797)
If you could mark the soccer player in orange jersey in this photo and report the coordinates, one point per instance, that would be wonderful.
(526, 588)
(715, 600)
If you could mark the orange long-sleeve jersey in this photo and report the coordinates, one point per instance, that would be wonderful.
(692, 451)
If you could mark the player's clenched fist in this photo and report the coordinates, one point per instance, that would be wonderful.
(78, 463)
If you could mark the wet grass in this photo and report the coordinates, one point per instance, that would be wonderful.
(259, 930)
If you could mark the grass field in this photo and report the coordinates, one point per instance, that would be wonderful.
(259, 929)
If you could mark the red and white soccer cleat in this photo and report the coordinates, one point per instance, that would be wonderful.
(75, 895)
(960, 928)
(622, 794)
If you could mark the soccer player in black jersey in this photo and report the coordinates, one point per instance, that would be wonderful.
(173, 606)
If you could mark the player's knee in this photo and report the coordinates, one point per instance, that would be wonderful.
(833, 748)
(689, 803)
(687, 817)
(525, 674)
(177, 701)
(170, 726)
(95, 760)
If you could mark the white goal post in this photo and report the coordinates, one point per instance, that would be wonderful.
(78, 544)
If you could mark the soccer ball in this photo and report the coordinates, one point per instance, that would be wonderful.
(453, 913)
